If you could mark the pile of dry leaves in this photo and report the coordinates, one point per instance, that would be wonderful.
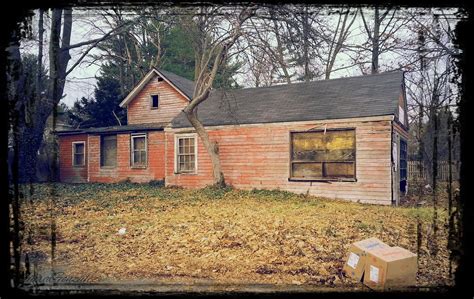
(135, 232)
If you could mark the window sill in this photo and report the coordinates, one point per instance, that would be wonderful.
(78, 166)
(108, 167)
(185, 173)
(322, 180)
(138, 167)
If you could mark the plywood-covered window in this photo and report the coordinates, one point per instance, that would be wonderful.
(139, 150)
(323, 155)
(108, 150)
(186, 152)
(78, 153)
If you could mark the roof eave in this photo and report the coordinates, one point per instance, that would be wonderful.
(142, 84)
(172, 84)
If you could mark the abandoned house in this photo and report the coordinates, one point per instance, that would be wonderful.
(342, 138)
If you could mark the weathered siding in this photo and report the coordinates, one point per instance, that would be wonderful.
(155, 169)
(257, 156)
(67, 172)
(171, 102)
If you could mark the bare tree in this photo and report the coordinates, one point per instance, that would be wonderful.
(381, 33)
(337, 39)
(265, 32)
(48, 91)
(212, 48)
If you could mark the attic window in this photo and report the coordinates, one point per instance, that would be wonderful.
(154, 101)
(323, 155)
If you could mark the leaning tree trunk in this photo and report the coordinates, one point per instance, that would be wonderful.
(205, 76)
(211, 147)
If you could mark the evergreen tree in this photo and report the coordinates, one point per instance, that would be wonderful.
(103, 110)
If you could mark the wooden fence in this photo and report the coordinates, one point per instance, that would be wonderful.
(443, 171)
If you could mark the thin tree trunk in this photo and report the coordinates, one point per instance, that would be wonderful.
(307, 76)
(16, 80)
(280, 53)
(434, 179)
(39, 74)
(375, 42)
(421, 48)
(451, 235)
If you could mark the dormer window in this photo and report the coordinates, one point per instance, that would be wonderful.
(154, 101)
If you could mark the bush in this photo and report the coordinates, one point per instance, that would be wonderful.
(156, 183)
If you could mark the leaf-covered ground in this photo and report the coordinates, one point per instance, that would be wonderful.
(218, 236)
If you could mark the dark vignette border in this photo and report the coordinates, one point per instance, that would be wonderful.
(15, 13)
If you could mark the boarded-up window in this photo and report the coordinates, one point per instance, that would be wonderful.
(139, 151)
(78, 153)
(108, 151)
(185, 154)
(323, 155)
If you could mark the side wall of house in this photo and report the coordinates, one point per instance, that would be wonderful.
(155, 169)
(67, 172)
(171, 103)
(257, 156)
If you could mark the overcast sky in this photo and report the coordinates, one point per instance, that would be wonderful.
(89, 25)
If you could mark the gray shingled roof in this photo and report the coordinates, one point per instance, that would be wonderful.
(369, 95)
(185, 85)
(116, 129)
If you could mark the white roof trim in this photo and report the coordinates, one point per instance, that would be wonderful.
(142, 84)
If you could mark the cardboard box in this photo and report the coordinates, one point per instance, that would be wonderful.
(390, 268)
(355, 261)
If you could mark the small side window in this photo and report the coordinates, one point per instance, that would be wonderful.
(78, 154)
(154, 101)
(108, 151)
(139, 151)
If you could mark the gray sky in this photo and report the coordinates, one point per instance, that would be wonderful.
(90, 24)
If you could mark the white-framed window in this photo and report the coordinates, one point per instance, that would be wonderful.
(138, 150)
(78, 153)
(185, 153)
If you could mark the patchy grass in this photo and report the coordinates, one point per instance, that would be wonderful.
(219, 235)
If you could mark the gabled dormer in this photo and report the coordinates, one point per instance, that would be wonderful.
(157, 98)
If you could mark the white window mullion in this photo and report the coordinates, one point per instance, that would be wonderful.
(140, 152)
(185, 157)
